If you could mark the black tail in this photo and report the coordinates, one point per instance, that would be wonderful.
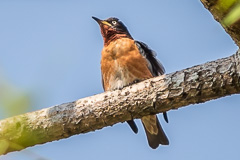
(154, 131)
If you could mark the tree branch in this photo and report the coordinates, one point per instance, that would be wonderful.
(189, 86)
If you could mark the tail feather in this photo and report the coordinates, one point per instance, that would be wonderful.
(165, 116)
(150, 124)
(133, 126)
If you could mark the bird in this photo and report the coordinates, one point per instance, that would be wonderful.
(125, 61)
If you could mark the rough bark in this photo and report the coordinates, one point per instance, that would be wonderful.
(219, 10)
(189, 86)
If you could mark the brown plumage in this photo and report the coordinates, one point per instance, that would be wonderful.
(125, 61)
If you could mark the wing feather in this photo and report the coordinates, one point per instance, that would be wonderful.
(154, 65)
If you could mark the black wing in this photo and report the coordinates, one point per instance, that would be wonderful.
(154, 65)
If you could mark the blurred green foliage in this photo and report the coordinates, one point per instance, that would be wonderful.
(234, 13)
(224, 5)
(13, 101)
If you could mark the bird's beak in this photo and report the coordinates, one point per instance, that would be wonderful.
(96, 19)
(99, 21)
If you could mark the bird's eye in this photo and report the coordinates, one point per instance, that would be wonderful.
(114, 22)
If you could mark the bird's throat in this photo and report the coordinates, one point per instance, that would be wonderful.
(110, 36)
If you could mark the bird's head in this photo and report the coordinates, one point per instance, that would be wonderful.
(112, 28)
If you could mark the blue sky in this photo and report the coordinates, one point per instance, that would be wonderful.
(51, 50)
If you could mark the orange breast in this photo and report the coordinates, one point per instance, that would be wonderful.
(122, 64)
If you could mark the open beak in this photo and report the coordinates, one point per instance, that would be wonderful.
(99, 21)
